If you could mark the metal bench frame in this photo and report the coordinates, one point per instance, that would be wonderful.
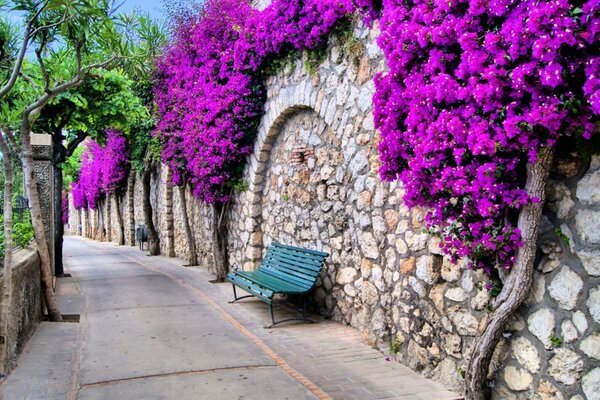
(284, 270)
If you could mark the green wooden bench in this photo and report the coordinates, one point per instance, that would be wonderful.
(284, 270)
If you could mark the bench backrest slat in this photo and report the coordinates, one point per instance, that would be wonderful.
(309, 265)
(295, 265)
(292, 264)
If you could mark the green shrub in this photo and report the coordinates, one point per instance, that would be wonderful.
(22, 231)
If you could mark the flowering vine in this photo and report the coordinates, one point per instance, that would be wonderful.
(210, 84)
(474, 89)
(104, 170)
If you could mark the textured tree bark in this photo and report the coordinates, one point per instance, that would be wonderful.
(191, 240)
(59, 228)
(518, 286)
(120, 224)
(108, 219)
(153, 239)
(38, 225)
(88, 224)
(219, 241)
(130, 207)
(101, 227)
(169, 215)
(8, 253)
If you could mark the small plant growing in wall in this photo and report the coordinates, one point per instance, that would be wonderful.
(555, 341)
(561, 235)
(394, 345)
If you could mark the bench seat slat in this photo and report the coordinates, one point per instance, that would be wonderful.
(288, 278)
(258, 291)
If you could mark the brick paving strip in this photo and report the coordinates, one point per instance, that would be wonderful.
(112, 357)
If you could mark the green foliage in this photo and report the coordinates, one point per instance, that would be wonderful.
(71, 168)
(315, 57)
(561, 235)
(106, 100)
(394, 345)
(22, 231)
(143, 146)
(239, 185)
(555, 341)
(352, 46)
(496, 289)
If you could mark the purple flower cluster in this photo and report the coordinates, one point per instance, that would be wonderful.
(475, 89)
(65, 208)
(104, 170)
(209, 86)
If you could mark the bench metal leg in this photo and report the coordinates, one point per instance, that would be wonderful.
(238, 298)
(303, 318)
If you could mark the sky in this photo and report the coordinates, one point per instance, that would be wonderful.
(154, 7)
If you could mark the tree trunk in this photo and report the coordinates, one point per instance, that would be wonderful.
(88, 223)
(130, 206)
(191, 240)
(59, 228)
(153, 240)
(80, 222)
(169, 214)
(38, 226)
(120, 225)
(8, 255)
(219, 241)
(108, 218)
(517, 288)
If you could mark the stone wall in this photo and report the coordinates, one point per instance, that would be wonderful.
(26, 307)
(313, 182)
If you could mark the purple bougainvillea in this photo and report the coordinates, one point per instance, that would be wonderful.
(475, 89)
(210, 84)
(104, 170)
(65, 208)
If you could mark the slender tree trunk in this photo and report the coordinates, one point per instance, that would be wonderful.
(108, 218)
(6, 300)
(101, 225)
(191, 240)
(38, 226)
(153, 239)
(80, 222)
(120, 225)
(130, 206)
(59, 228)
(169, 214)
(517, 288)
(86, 232)
(219, 241)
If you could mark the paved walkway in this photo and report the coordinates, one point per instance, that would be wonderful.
(152, 329)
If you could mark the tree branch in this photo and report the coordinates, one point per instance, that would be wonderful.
(21, 55)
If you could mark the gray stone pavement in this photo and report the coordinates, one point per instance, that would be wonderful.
(152, 329)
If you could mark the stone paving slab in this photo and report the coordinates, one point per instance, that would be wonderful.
(44, 368)
(155, 330)
(247, 384)
(329, 354)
